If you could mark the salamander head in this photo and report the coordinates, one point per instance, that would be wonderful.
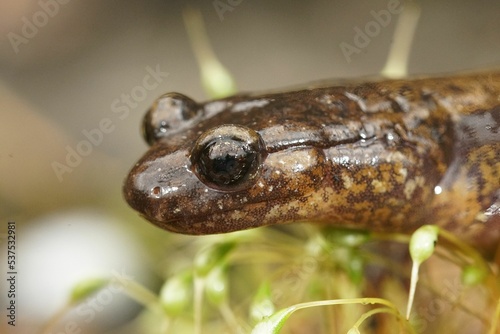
(205, 175)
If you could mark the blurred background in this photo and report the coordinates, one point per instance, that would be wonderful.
(67, 67)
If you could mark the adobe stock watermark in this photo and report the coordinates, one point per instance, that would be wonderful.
(223, 6)
(445, 302)
(120, 108)
(91, 306)
(39, 19)
(363, 37)
(294, 278)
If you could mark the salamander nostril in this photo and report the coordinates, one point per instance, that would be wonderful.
(156, 192)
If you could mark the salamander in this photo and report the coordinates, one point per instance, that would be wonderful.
(382, 155)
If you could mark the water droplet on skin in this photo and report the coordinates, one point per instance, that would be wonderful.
(438, 190)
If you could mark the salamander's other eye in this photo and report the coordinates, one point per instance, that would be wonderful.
(170, 113)
(228, 157)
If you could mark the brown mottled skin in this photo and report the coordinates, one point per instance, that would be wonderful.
(384, 156)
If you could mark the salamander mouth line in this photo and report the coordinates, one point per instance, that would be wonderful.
(200, 218)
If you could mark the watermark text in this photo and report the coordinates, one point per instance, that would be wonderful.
(31, 26)
(120, 108)
(363, 37)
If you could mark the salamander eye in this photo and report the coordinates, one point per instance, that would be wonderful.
(228, 157)
(170, 113)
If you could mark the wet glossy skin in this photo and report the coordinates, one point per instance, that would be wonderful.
(384, 156)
